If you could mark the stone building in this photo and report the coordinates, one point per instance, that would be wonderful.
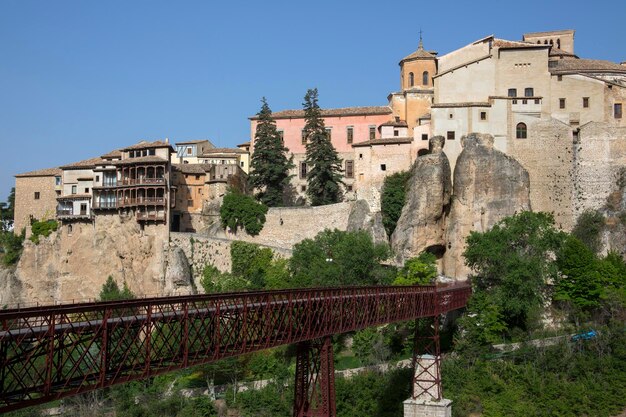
(35, 197)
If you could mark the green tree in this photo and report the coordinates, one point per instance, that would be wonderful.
(242, 211)
(336, 258)
(323, 162)
(393, 198)
(270, 165)
(513, 262)
(12, 245)
(251, 262)
(111, 291)
(421, 270)
(588, 229)
(214, 281)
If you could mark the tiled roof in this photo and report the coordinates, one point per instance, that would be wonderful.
(385, 141)
(468, 104)
(193, 142)
(554, 51)
(223, 151)
(113, 154)
(191, 168)
(393, 123)
(145, 145)
(503, 43)
(420, 54)
(572, 65)
(47, 172)
(85, 164)
(141, 160)
(74, 197)
(425, 116)
(244, 144)
(345, 111)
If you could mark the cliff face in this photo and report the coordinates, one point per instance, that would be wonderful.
(74, 265)
(422, 222)
(488, 186)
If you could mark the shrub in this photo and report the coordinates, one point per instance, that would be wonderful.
(242, 211)
(112, 292)
(12, 246)
(588, 229)
(42, 228)
(393, 199)
(421, 270)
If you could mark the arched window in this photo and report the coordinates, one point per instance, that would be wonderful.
(425, 78)
(558, 43)
(521, 131)
(551, 42)
(411, 79)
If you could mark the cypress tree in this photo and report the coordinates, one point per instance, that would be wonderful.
(323, 162)
(269, 166)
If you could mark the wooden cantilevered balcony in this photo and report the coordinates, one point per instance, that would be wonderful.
(129, 202)
(104, 205)
(142, 181)
(71, 214)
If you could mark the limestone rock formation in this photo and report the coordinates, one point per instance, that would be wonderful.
(177, 272)
(361, 218)
(422, 222)
(10, 287)
(488, 186)
(73, 265)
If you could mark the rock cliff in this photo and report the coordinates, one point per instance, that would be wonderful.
(488, 186)
(422, 223)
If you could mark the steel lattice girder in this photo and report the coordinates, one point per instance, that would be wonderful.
(48, 353)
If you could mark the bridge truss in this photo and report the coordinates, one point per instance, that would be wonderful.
(48, 353)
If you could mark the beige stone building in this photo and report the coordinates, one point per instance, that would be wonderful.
(36, 197)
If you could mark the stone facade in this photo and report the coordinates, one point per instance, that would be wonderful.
(36, 197)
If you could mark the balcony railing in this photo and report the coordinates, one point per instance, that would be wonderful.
(68, 213)
(141, 200)
(104, 205)
(142, 181)
(151, 216)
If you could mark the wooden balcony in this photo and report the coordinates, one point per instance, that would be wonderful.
(142, 181)
(70, 214)
(153, 201)
(104, 205)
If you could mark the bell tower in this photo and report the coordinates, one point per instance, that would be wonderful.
(417, 69)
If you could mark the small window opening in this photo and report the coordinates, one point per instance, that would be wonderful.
(383, 167)
(561, 103)
(450, 135)
(585, 102)
(483, 115)
(424, 136)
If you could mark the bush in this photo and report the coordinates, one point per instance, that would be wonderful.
(251, 262)
(112, 292)
(418, 271)
(215, 281)
(393, 198)
(12, 246)
(588, 229)
(242, 211)
(42, 228)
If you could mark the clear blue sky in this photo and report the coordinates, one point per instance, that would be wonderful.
(80, 78)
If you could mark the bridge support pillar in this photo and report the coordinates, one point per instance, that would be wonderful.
(315, 379)
(427, 397)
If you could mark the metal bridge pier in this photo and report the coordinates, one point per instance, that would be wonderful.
(427, 395)
(315, 379)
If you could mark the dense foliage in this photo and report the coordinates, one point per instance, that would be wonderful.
(7, 211)
(421, 270)
(323, 163)
(512, 264)
(42, 228)
(239, 211)
(335, 258)
(11, 245)
(393, 198)
(269, 165)
(588, 229)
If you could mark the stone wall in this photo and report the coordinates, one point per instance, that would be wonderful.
(26, 205)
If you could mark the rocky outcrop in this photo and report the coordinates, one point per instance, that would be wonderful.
(177, 272)
(488, 186)
(10, 287)
(422, 223)
(73, 264)
(361, 218)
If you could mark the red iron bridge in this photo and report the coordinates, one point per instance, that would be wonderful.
(51, 352)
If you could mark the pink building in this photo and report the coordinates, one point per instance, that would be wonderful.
(346, 126)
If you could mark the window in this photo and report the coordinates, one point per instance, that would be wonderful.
(241, 164)
(69, 229)
(350, 133)
(281, 135)
(86, 190)
(97, 178)
(512, 92)
(450, 135)
(424, 136)
(451, 116)
(396, 132)
(529, 92)
(189, 150)
(383, 167)
(521, 131)
(197, 177)
(585, 102)
(329, 133)
(349, 169)
(37, 195)
(303, 137)
(372, 132)
(57, 180)
(483, 115)
(559, 78)
(617, 110)
(302, 169)
(360, 156)
(73, 189)
(348, 188)
(425, 78)
(151, 152)
(561, 103)
(303, 188)
(411, 79)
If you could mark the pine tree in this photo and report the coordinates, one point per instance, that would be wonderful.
(270, 165)
(323, 163)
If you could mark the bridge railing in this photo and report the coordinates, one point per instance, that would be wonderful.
(51, 352)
